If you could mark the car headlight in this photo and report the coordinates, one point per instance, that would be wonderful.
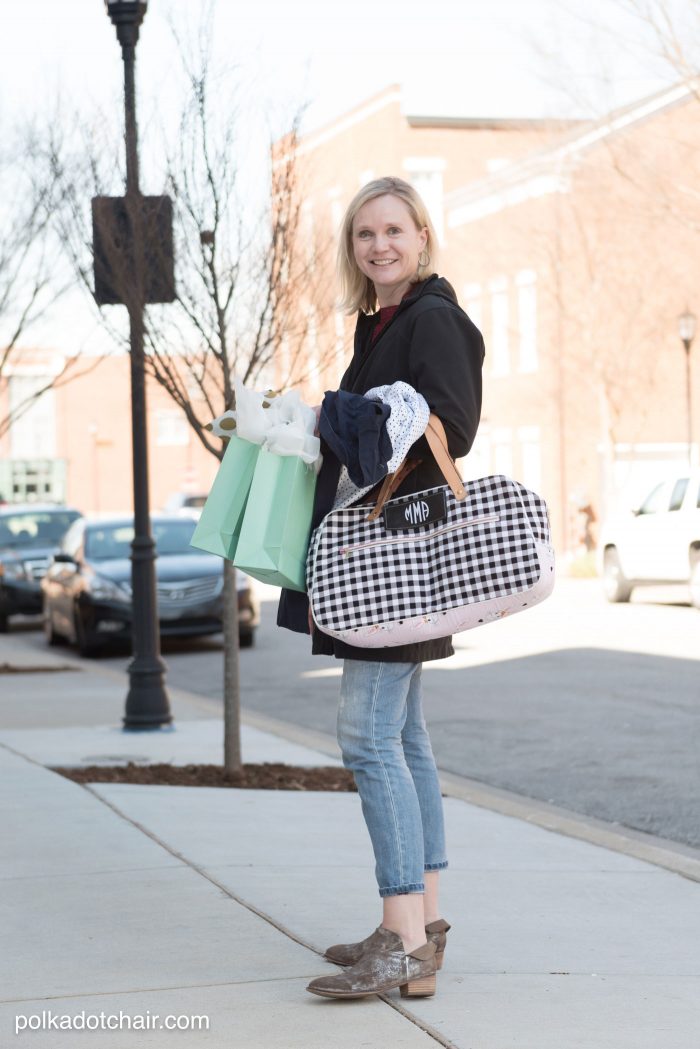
(106, 590)
(12, 570)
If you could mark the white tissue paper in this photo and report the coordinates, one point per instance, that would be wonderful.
(282, 424)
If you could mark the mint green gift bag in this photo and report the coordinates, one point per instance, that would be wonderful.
(274, 535)
(219, 526)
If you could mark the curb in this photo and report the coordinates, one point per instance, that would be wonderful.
(672, 856)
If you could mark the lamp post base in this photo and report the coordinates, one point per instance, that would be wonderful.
(147, 706)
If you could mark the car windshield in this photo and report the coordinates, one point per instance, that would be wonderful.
(104, 542)
(35, 528)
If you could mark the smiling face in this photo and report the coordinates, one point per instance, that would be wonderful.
(386, 243)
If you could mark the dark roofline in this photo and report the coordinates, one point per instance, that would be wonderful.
(496, 123)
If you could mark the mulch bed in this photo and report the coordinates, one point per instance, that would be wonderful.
(265, 776)
(10, 668)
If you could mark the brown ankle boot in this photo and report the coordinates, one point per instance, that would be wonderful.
(437, 933)
(350, 953)
(384, 966)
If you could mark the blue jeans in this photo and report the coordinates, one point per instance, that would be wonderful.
(384, 740)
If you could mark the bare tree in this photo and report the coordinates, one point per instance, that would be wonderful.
(247, 284)
(32, 279)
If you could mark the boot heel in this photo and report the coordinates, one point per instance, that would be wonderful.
(438, 959)
(419, 988)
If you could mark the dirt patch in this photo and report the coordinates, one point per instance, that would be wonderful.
(265, 776)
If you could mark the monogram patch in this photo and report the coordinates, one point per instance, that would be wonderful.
(414, 513)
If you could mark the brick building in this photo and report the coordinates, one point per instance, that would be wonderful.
(73, 445)
(575, 248)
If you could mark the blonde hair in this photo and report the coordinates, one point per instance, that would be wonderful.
(356, 289)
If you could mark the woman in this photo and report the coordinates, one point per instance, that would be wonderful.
(409, 328)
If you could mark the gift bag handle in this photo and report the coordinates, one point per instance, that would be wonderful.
(437, 441)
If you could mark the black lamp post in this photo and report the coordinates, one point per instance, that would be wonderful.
(686, 329)
(147, 705)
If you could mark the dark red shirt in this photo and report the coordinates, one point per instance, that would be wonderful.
(387, 312)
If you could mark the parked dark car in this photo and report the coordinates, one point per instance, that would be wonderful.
(30, 534)
(87, 589)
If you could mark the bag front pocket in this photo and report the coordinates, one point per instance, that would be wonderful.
(348, 551)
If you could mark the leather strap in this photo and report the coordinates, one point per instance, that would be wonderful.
(437, 441)
(391, 483)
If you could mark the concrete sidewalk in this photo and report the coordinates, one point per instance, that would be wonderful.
(200, 901)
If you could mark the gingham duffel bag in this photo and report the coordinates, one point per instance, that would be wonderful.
(429, 564)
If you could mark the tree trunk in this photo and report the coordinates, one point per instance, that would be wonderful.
(232, 693)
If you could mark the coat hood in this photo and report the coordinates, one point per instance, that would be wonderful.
(433, 285)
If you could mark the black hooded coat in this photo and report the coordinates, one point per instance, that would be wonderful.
(430, 343)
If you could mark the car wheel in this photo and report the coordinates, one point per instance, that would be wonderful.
(246, 640)
(617, 588)
(85, 646)
(52, 638)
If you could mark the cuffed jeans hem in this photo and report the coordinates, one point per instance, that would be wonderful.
(436, 866)
(399, 890)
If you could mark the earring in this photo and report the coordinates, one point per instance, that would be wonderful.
(420, 260)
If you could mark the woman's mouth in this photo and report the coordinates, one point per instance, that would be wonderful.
(383, 262)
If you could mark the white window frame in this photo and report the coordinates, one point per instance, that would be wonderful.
(530, 440)
(473, 300)
(426, 175)
(526, 284)
(502, 450)
(500, 342)
(172, 429)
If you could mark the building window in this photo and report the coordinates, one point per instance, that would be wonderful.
(33, 429)
(308, 233)
(172, 429)
(425, 174)
(530, 457)
(471, 300)
(336, 215)
(477, 462)
(37, 480)
(502, 446)
(526, 282)
(500, 354)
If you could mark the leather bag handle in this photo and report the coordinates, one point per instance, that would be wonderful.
(437, 441)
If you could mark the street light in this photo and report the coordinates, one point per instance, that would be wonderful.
(147, 705)
(686, 329)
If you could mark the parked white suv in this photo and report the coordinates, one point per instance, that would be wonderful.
(657, 543)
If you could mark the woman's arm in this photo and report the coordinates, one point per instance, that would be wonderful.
(445, 359)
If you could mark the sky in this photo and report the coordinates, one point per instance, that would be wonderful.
(456, 57)
(502, 58)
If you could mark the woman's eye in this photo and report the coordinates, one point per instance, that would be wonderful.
(394, 229)
(364, 233)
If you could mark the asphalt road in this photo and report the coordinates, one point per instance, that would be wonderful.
(591, 706)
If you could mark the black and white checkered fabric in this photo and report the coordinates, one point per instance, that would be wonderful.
(360, 574)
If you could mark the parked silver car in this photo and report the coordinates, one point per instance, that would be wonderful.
(657, 543)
